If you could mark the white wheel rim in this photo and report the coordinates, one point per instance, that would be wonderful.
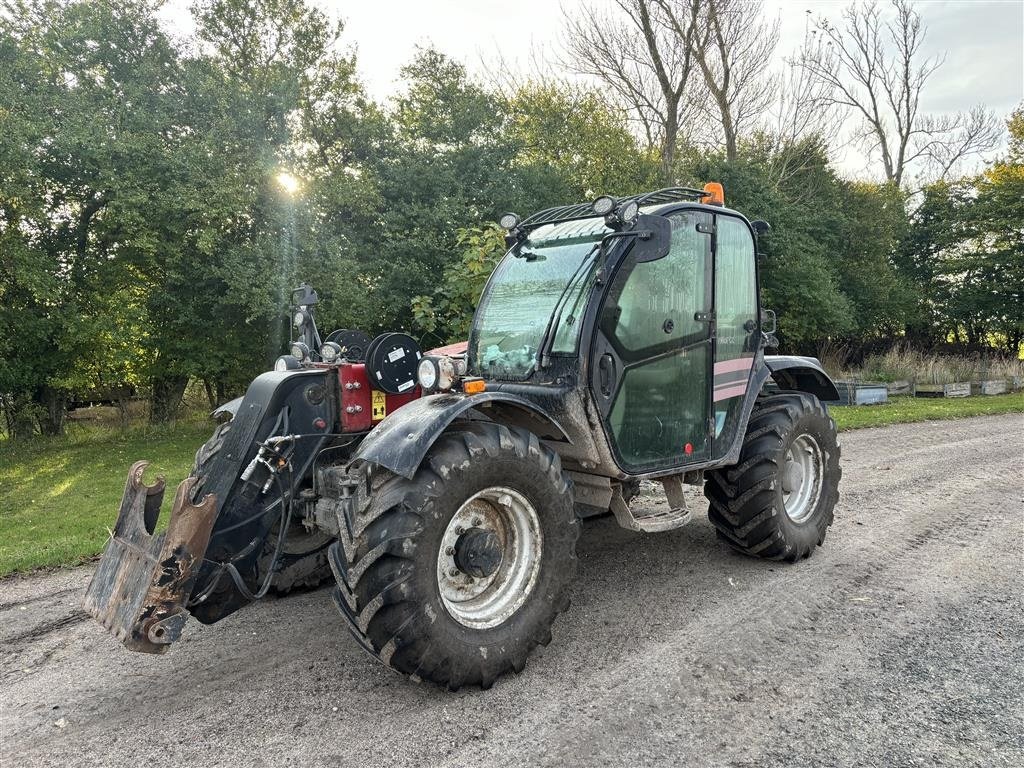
(491, 600)
(802, 472)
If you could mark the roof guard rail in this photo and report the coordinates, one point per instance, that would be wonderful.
(563, 213)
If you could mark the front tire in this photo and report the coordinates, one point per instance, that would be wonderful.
(778, 501)
(456, 575)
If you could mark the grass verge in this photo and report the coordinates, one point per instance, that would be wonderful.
(901, 410)
(58, 497)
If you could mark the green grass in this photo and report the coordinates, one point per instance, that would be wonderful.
(59, 496)
(900, 410)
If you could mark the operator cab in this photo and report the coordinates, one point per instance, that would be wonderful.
(657, 307)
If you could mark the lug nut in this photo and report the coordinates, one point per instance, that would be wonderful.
(450, 551)
(476, 522)
(453, 572)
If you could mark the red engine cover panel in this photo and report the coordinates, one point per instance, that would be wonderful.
(361, 405)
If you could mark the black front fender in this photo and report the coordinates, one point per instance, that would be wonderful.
(400, 442)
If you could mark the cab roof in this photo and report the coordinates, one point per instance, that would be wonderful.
(657, 202)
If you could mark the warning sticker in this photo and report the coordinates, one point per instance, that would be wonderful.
(398, 354)
(379, 407)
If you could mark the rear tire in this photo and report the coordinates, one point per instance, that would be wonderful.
(778, 501)
(393, 559)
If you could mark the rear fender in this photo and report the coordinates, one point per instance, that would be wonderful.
(802, 374)
(400, 442)
(229, 408)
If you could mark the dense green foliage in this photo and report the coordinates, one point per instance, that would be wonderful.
(965, 253)
(158, 199)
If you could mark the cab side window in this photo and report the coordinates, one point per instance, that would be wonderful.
(654, 305)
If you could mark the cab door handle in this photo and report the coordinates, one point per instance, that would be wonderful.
(606, 369)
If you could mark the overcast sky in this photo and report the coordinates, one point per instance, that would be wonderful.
(982, 40)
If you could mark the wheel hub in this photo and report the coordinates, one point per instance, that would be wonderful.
(489, 557)
(793, 477)
(478, 553)
(802, 478)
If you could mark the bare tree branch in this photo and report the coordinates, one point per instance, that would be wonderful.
(643, 53)
(873, 68)
(734, 51)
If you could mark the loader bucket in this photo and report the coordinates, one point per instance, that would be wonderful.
(143, 580)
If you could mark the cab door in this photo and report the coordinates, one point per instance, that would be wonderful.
(736, 326)
(652, 353)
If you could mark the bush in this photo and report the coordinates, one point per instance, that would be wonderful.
(902, 363)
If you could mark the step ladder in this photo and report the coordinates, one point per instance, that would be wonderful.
(676, 516)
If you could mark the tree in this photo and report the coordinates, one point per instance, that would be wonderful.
(96, 81)
(449, 161)
(448, 312)
(874, 69)
(578, 142)
(643, 53)
(937, 226)
(993, 270)
(734, 50)
(237, 238)
(965, 250)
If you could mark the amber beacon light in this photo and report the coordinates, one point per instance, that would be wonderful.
(714, 194)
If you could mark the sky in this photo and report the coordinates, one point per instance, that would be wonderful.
(982, 41)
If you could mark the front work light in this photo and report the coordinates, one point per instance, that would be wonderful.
(330, 352)
(436, 373)
(629, 211)
(508, 221)
(624, 215)
(286, 363)
(300, 351)
(427, 374)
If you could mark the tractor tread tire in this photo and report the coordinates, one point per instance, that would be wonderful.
(745, 500)
(385, 560)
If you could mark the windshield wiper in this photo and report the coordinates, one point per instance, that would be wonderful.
(547, 340)
(530, 256)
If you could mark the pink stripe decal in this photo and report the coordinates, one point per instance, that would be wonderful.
(739, 364)
(733, 391)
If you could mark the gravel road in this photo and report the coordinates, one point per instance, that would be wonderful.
(901, 642)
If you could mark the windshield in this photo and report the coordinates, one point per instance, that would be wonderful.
(543, 280)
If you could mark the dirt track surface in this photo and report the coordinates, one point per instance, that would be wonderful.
(901, 642)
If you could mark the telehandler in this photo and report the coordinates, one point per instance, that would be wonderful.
(618, 340)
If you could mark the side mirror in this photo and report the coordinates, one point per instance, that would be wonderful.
(760, 226)
(653, 237)
(304, 298)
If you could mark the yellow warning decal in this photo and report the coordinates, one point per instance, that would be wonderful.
(380, 405)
